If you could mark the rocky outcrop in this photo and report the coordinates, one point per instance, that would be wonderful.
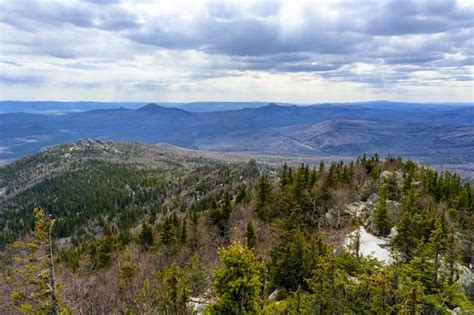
(466, 280)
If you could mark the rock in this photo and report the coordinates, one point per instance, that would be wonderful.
(274, 294)
(385, 175)
(357, 209)
(197, 304)
(331, 217)
(393, 232)
(371, 201)
(466, 280)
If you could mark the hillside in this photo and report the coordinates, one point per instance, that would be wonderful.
(154, 229)
(440, 136)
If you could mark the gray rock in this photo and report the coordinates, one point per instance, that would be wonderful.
(273, 295)
(357, 209)
(455, 311)
(466, 281)
(331, 217)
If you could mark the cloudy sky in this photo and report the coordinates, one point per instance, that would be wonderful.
(288, 51)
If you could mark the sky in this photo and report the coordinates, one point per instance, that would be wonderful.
(286, 51)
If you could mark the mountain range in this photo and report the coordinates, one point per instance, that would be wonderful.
(440, 135)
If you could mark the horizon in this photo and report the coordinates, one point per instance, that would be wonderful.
(228, 102)
(295, 51)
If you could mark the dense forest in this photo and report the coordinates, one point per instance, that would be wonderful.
(181, 234)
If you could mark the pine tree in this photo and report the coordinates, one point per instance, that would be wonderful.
(174, 290)
(288, 267)
(251, 235)
(408, 232)
(37, 291)
(284, 175)
(220, 215)
(184, 234)
(237, 283)
(194, 227)
(264, 191)
(146, 237)
(381, 213)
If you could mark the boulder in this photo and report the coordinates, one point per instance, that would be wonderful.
(273, 295)
(466, 280)
(331, 217)
(357, 209)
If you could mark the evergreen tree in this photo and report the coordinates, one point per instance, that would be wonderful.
(146, 237)
(381, 214)
(184, 234)
(220, 215)
(264, 197)
(174, 290)
(37, 288)
(237, 283)
(251, 235)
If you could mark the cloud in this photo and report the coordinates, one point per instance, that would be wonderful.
(157, 48)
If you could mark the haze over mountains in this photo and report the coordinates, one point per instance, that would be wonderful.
(434, 134)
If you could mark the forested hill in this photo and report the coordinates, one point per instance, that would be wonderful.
(158, 230)
(438, 135)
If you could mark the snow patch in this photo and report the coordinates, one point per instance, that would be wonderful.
(370, 245)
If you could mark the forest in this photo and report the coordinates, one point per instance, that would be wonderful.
(217, 237)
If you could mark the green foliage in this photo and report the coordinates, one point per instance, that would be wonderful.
(220, 215)
(237, 283)
(251, 235)
(146, 237)
(36, 289)
(381, 214)
(197, 275)
(293, 258)
(263, 198)
(115, 209)
(174, 290)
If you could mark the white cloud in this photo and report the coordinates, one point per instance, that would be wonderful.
(291, 51)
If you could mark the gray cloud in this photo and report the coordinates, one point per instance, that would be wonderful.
(398, 38)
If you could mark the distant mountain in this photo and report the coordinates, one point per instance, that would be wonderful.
(59, 108)
(441, 135)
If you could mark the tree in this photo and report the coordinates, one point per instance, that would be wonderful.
(290, 263)
(174, 290)
(251, 235)
(35, 277)
(220, 215)
(264, 191)
(237, 283)
(381, 213)
(407, 237)
(146, 236)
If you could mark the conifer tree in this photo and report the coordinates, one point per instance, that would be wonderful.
(237, 283)
(264, 191)
(381, 213)
(184, 234)
(251, 235)
(35, 278)
(174, 290)
(146, 236)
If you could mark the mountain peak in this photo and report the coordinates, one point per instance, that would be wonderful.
(150, 107)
